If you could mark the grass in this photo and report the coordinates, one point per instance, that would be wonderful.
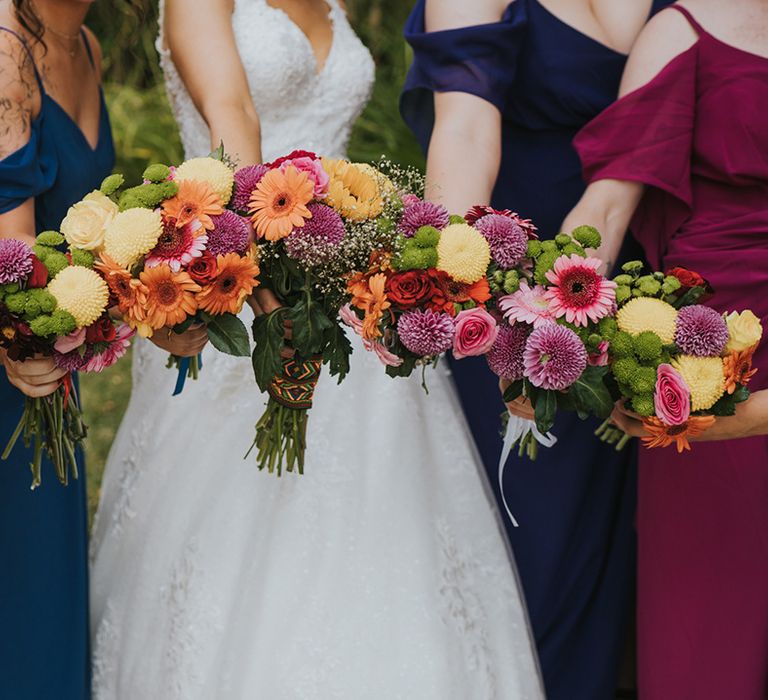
(145, 132)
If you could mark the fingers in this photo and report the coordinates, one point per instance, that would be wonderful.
(35, 391)
(36, 367)
(522, 408)
(187, 344)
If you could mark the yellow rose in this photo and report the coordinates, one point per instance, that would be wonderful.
(744, 330)
(86, 221)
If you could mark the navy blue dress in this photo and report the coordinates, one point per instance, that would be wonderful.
(44, 650)
(575, 547)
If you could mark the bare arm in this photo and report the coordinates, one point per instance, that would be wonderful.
(465, 149)
(609, 204)
(214, 75)
(751, 420)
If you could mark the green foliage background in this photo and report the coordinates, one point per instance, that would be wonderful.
(145, 132)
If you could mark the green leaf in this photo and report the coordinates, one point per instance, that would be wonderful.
(218, 154)
(337, 351)
(229, 335)
(545, 408)
(310, 323)
(591, 394)
(268, 332)
(513, 391)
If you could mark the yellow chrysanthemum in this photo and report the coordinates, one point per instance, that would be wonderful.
(704, 377)
(354, 190)
(463, 253)
(647, 314)
(131, 234)
(218, 175)
(82, 292)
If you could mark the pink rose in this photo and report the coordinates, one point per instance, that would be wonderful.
(70, 342)
(599, 358)
(313, 167)
(476, 332)
(672, 398)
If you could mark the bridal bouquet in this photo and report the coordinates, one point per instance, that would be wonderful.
(484, 284)
(676, 362)
(55, 304)
(171, 253)
(316, 221)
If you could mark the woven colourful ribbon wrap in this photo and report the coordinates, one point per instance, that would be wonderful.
(295, 387)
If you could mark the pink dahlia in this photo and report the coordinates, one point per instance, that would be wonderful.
(579, 292)
(317, 241)
(99, 361)
(554, 357)
(701, 331)
(505, 358)
(231, 234)
(421, 214)
(178, 246)
(477, 213)
(15, 260)
(426, 333)
(506, 238)
(527, 305)
(409, 199)
(246, 180)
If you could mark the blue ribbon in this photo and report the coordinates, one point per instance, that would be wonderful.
(181, 379)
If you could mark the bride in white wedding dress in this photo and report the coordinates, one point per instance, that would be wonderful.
(379, 575)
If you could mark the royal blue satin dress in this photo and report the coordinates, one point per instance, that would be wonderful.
(575, 547)
(44, 631)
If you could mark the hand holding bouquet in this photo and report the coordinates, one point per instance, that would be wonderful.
(172, 255)
(316, 221)
(677, 364)
(65, 318)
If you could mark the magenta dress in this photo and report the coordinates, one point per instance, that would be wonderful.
(697, 136)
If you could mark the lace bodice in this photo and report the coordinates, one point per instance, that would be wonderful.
(299, 106)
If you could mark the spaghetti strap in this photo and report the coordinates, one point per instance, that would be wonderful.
(691, 19)
(24, 43)
(87, 47)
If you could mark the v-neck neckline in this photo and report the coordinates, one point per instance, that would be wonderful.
(319, 69)
(99, 135)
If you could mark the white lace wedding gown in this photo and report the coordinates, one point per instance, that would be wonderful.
(379, 575)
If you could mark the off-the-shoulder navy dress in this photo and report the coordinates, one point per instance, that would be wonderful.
(44, 651)
(575, 547)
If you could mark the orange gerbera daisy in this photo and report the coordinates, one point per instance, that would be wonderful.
(369, 296)
(127, 292)
(279, 203)
(194, 200)
(170, 296)
(235, 280)
(663, 435)
(737, 367)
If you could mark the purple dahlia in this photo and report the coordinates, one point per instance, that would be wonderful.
(554, 357)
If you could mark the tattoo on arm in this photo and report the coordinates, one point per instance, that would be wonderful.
(19, 95)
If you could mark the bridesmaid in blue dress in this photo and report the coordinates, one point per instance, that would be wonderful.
(50, 159)
(495, 95)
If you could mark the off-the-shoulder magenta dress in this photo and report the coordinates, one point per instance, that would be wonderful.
(697, 136)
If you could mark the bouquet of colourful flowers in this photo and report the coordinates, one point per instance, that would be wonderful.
(55, 304)
(484, 284)
(316, 222)
(171, 253)
(677, 363)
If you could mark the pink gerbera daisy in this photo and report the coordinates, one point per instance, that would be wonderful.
(579, 292)
(178, 246)
(527, 305)
(98, 362)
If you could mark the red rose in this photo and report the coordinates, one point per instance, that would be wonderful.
(204, 269)
(39, 277)
(103, 331)
(412, 288)
(293, 155)
(689, 280)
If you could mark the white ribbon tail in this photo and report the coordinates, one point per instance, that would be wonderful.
(517, 429)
